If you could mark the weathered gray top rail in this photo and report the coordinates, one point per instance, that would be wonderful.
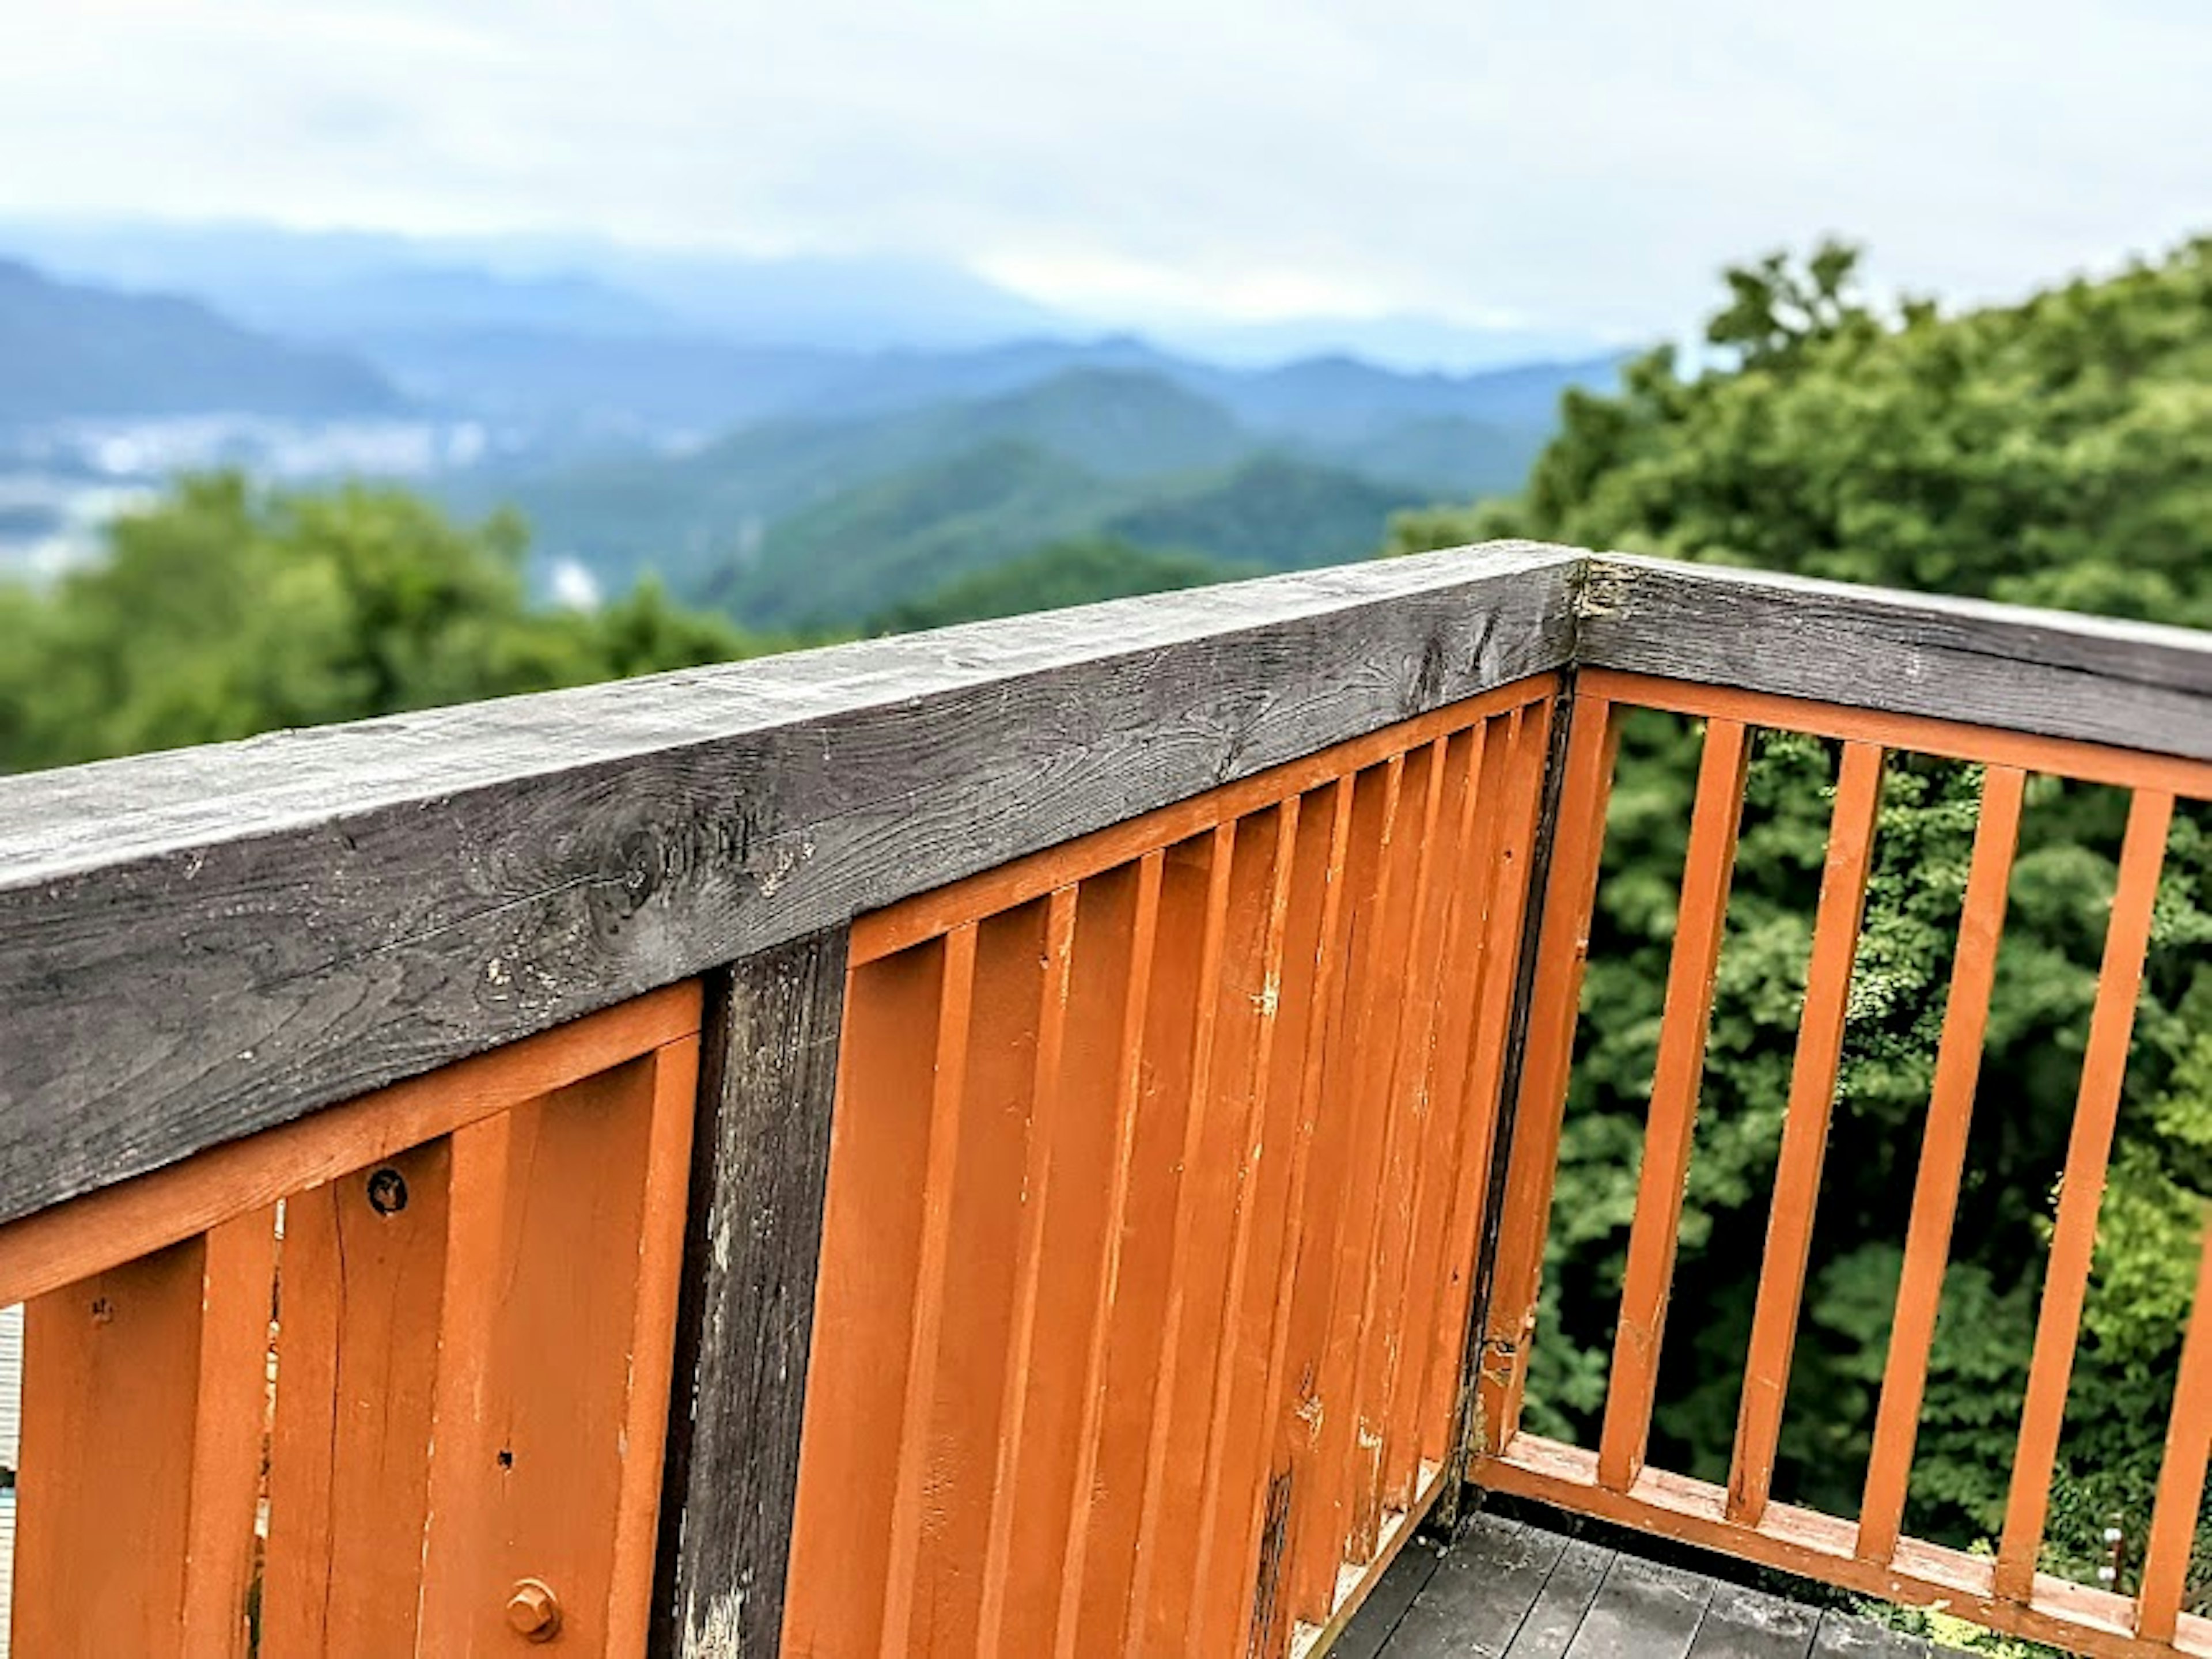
(2050, 673)
(198, 944)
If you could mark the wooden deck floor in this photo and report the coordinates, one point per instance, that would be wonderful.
(1511, 1590)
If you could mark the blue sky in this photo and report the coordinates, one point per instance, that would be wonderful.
(1576, 166)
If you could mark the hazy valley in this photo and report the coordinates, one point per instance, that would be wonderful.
(808, 446)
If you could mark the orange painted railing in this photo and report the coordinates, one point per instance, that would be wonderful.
(389, 1380)
(1156, 1178)
(1871, 1554)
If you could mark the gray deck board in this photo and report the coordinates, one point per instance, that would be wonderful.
(1549, 1629)
(1371, 1628)
(1506, 1588)
(1748, 1624)
(1842, 1637)
(1643, 1611)
(1480, 1592)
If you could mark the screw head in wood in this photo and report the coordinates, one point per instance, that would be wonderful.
(533, 1611)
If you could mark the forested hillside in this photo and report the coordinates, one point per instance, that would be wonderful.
(2059, 453)
(825, 517)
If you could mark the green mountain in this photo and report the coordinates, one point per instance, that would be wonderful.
(1081, 572)
(69, 351)
(899, 537)
(687, 516)
(1449, 455)
(1276, 512)
(905, 534)
(827, 521)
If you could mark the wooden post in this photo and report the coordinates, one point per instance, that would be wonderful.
(746, 1314)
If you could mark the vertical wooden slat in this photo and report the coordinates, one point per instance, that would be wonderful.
(1510, 846)
(1405, 1119)
(769, 1063)
(145, 1395)
(1805, 1128)
(1301, 1274)
(1555, 1000)
(362, 1282)
(1083, 1095)
(986, 1234)
(1700, 919)
(1355, 1095)
(1466, 871)
(230, 1431)
(2181, 1473)
(653, 1292)
(551, 1393)
(458, 1580)
(947, 1095)
(1942, 1160)
(1252, 1398)
(1127, 1075)
(1260, 1161)
(1036, 1200)
(1170, 1043)
(1469, 1061)
(2081, 1190)
(881, 1139)
(1236, 922)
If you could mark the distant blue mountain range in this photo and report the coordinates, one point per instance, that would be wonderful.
(332, 283)
(803, 442)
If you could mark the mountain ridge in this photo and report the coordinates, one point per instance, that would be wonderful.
(76, 351)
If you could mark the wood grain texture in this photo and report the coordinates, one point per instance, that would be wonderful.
(1476, 1598)
(1842, 1637)
(2131, 684)
(362, 1287)
(143, 1388)
(550, 1394)
(1643, 1611)
(1372, 1631)
(1549, 1629)
(1809, 1545)
(313, 914)
(309, 915)
(1500, 1588)
(1748, 1624)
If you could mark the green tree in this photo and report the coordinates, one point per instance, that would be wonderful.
(1081, 571)
(2048, 452)
(222, 610)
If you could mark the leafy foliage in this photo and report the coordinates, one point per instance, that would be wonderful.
(2052, 452)
(222, 611)
(1066, 572)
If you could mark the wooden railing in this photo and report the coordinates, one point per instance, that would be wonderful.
(371, 1381)
(1870, 1553)
(1009, 1141)
(1101, 1363)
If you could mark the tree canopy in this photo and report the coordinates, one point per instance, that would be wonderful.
(2057, 451)
(222, 610)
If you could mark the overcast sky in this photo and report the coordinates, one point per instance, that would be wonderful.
(1555, 163)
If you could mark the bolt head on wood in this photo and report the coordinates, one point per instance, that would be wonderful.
(533, 1611)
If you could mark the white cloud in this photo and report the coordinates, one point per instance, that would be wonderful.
(1586, 164)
